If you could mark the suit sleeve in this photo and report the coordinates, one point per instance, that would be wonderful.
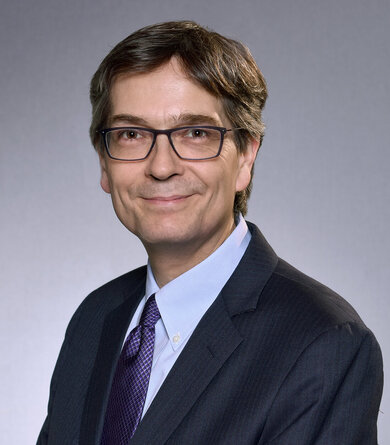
(332, 393)
(44, 433)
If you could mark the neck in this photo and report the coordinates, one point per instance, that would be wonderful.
(171, 260)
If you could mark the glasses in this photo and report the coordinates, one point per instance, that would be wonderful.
(192, 143)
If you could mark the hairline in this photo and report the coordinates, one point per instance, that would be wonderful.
(184, 71)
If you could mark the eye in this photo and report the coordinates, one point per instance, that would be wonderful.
(196, 133)
(129, 134)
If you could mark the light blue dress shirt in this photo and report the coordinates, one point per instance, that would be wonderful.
(183, 301)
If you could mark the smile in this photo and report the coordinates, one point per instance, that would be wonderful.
(167, 200)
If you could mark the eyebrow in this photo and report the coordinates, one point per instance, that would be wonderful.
(181, 119)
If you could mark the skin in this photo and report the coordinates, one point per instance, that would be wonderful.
(182, 211)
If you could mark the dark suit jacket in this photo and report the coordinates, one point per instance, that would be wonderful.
(278, 359)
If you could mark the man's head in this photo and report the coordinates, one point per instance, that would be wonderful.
(223, 67)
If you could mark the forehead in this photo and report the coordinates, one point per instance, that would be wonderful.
(163, 95)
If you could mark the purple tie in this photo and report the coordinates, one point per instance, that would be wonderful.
(131, 379)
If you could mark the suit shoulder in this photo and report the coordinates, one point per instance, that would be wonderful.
(304, 296)
(121, 283)
(112, 293)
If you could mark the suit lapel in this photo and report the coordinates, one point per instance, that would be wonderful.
(113, 333)
(210, 346)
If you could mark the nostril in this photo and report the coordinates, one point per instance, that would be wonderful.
(163, 163)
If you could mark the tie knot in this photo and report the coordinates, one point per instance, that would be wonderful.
(150, 314)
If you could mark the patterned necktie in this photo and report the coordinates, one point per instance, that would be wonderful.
(131, 379)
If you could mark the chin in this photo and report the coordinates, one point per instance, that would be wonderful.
(167, 237)
(164, 232)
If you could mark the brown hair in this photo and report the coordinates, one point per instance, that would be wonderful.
(224, 67)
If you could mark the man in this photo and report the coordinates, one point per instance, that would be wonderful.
(217, 340)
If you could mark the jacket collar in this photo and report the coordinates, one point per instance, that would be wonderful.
(242, 291)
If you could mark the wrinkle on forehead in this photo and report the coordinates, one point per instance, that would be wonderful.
(164, 97)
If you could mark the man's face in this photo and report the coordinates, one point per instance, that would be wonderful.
(168, 202)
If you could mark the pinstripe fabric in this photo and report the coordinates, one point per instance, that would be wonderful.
(278, 359)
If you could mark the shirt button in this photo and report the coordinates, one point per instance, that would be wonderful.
(176, 338)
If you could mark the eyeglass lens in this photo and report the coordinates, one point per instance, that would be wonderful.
(189, 143)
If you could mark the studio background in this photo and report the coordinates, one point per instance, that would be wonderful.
(321, 188)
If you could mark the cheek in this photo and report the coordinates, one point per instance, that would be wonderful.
(122, 188)
(123, 176)
(223, 188)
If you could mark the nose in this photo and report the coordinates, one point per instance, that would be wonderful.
(163, 162)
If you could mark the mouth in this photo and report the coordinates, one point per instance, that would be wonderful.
(167, 200)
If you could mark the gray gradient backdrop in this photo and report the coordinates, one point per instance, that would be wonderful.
(321, 192)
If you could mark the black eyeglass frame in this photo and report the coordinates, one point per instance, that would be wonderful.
(104, 132)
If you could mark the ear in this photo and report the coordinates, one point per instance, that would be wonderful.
(104, 182)
(246, 160)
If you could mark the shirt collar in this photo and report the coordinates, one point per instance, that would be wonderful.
(183, 301)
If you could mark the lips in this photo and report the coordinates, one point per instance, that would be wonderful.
(167, 198)
(166, 201)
